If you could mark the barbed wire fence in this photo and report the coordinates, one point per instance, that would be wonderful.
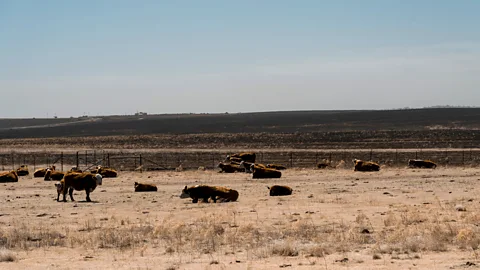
(168, 160)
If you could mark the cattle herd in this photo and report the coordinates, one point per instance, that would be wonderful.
(76, 179)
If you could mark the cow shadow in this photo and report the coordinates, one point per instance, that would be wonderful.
(84, 201)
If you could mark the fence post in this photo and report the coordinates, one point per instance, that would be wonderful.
(108, 160)
(13, 161)
(371, 154)
(330, 158)
(61, 161)
(416, 155)
(25, 161)
(48, 160)
(34, 159)
(463, 157)
(3, 163)
(140, 161)
(213, 160)
(94, 156)
(77, 160)
(86, 157)
(316, 158)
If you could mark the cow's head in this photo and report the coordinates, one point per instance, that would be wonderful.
(59, 187)
(98, 178)
(48, 173)
(185, 193)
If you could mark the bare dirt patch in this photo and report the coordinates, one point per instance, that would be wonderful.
(397, 218)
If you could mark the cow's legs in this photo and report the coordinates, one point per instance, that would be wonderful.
(88, 196)
(70, 192)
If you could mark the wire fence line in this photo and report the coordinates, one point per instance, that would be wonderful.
(168, 160)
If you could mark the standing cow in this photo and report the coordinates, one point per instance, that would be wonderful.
(78, 181)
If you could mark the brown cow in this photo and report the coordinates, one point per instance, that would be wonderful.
(248, 157)
(105, 172)
(365, 166)
(259, 173)
(276, 167)
(11, 176)
(277, 190)
(78, 181)
(53, 175)
(75, 169)
(230, 167)
(139, 187)
(213, 192)
(41, 172)
(23, 170)
(248, 166)
(419, 163)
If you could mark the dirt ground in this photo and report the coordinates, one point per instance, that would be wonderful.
(398, 218)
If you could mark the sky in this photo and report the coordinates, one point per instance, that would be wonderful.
(103, 57)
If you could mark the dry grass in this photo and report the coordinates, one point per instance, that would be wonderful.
(7, 255)
(257, 227)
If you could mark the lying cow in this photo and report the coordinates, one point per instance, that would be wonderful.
(248, 157)
(75, 169)
(276, 167)
(277, 190)
(419, 163)
(259, 173)
(53, 175)
(205, 192)
(23, 170)
(11, 176)
(105, 172)
(248, 166)
(41, 172)
(139, 187)
(230, 167)
(78, 181)
(365, 166)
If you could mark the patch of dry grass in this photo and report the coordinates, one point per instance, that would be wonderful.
(7, 255)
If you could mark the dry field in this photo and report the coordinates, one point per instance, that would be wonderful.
(397, 218)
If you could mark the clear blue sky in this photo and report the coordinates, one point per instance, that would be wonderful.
(68, 58)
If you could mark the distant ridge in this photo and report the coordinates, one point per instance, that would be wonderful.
(249, 122)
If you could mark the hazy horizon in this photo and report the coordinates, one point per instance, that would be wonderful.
(69, 58)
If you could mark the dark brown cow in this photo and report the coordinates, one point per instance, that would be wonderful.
(11, 176)
(78, 181)
(248, 157)
(53, 175)
(140, 187)
(230, 167)
(23, 170)
(205, 192)
(419, 163)
(277, 190)
(323, 165)
(365, 166)
(259, 173)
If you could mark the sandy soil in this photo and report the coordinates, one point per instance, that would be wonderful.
(397, 218)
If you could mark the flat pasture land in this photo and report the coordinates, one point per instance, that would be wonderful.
(398, 218)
